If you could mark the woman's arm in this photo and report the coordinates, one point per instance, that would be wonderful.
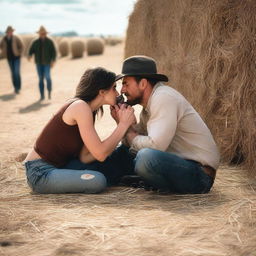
(81, 114)
(85, 156)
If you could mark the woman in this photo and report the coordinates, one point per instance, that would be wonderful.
(71, 134)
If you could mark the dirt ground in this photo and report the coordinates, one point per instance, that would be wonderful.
(121, 221)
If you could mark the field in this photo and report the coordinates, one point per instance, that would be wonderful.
(123, 220)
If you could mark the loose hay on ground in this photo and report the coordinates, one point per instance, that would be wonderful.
(124, 221)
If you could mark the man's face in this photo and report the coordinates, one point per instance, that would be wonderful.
(131, 89)
(9, 33)
(42, 35)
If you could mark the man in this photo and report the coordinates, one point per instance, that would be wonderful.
(45, 54)
(174, 148)
(12, 47)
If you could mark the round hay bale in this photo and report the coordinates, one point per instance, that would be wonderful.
(77, 48)
(27, 41)
(95, 46)
(1, 54)
(64, 47)
(207, 49)
(112, 41)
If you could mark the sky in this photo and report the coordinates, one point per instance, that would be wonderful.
(98, 17)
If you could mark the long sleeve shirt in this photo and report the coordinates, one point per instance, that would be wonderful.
(169, 123)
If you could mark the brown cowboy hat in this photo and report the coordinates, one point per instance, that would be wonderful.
(42, 30)
(142, 66)
(9, 29)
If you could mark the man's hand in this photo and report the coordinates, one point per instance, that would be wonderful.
(29, 58)
(52, 64)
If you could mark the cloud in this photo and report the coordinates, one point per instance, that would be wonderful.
(82, 16)
(44, 1)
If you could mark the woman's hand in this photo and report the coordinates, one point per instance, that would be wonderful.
(125, 115)
(113, 111)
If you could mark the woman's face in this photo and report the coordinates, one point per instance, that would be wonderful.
(110, 95)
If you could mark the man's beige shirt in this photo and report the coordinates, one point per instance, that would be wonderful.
(169, 123)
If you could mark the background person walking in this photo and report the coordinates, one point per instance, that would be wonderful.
(12, 48)
(45, 54)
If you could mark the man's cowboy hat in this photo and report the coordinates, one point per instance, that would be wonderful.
(142, 66)
(9, 29)
(42, 30)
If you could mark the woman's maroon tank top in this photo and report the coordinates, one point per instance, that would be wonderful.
(59, 142)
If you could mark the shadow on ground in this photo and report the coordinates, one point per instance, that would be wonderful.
(33, 107)
(7, 97)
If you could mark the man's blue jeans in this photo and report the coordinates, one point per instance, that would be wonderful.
(14, 65)
(167, 171)
(44, 73)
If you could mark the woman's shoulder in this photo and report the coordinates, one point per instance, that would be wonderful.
(75, 105)
(75, 102)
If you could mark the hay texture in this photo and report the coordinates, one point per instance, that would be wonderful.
(208, 50)
(77, 48)
(95, 46)
(64, 47)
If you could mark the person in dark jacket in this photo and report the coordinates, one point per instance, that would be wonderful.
(44, 51)
(12, 47)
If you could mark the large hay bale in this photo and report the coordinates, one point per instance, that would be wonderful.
(95, 46)
(208, 50)
(77, 48)
(64, 47)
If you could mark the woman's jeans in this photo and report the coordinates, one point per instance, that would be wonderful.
(78, 177)
(14, 65)
(44, 72)
(167, 171)
(46, 179)
(161, 170)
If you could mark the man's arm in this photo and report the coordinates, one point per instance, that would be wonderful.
(161, 125)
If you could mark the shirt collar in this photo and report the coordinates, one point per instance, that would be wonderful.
(158, 84)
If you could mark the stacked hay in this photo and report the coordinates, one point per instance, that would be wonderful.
(77, 48)
(64, 47)
(208, 50)
(95, 46)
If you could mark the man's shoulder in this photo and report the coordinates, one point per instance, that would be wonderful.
(167, 91)
(49, 39)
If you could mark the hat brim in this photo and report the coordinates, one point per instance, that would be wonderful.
(38, 32)
(158, 77)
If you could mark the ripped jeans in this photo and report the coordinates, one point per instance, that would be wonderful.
(78, 177)
(45, 178)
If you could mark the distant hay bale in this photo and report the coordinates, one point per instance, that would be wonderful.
(208, 50)
(112, 41)
(64, 47)
(95, 46)
(27, 41)
(77, 48)
(1, 54)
